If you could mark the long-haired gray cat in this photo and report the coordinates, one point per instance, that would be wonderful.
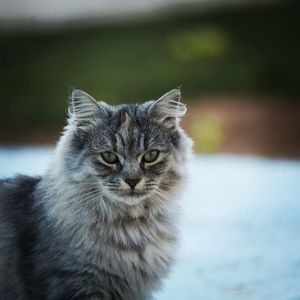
(101, 223)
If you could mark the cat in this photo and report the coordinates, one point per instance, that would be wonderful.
(102, 222)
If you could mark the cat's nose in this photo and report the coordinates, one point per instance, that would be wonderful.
(132, 182)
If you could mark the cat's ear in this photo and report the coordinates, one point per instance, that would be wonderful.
(168, 109)
(85, 110)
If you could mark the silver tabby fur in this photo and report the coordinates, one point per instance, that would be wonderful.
(78, 232)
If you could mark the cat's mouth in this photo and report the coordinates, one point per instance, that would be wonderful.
(130, 197)
(131, 193)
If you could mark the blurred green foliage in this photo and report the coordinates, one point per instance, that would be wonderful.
(207, 134)
(249, 50)
(200, 44)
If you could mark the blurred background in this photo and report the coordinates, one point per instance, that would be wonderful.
(238, 64)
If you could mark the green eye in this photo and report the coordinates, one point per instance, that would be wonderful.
(150, 156)
(109, 157)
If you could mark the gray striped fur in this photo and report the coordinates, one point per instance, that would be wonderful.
(78, 232)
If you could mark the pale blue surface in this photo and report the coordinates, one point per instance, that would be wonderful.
(240, 229)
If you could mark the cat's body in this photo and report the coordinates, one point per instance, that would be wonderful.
(101, 223)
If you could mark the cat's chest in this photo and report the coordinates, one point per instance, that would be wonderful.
(140, 246)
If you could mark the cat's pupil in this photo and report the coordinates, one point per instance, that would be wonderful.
(109, 157)
(151, 156)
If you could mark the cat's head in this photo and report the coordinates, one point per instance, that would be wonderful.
(129, 152)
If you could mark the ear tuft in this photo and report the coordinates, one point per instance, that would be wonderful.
(83, 105)
(85, 110)
(169, 109)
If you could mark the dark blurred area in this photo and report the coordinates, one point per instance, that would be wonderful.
(238, 66)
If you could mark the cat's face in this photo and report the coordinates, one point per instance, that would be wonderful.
(128, 152)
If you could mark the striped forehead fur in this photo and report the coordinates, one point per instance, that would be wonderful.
(127, 121)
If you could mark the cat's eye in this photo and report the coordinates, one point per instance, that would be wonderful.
(109, 157)
(150, 156)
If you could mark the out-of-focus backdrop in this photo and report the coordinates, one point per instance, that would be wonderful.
(238, 63)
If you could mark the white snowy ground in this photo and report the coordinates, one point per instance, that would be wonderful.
(240, 229)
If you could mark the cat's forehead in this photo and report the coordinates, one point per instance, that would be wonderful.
(129, 114)
(129, 128)
(136, 129)
(124, 118)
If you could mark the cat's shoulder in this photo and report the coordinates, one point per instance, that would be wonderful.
(16, 232)
(15, 190)
(20, 182)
